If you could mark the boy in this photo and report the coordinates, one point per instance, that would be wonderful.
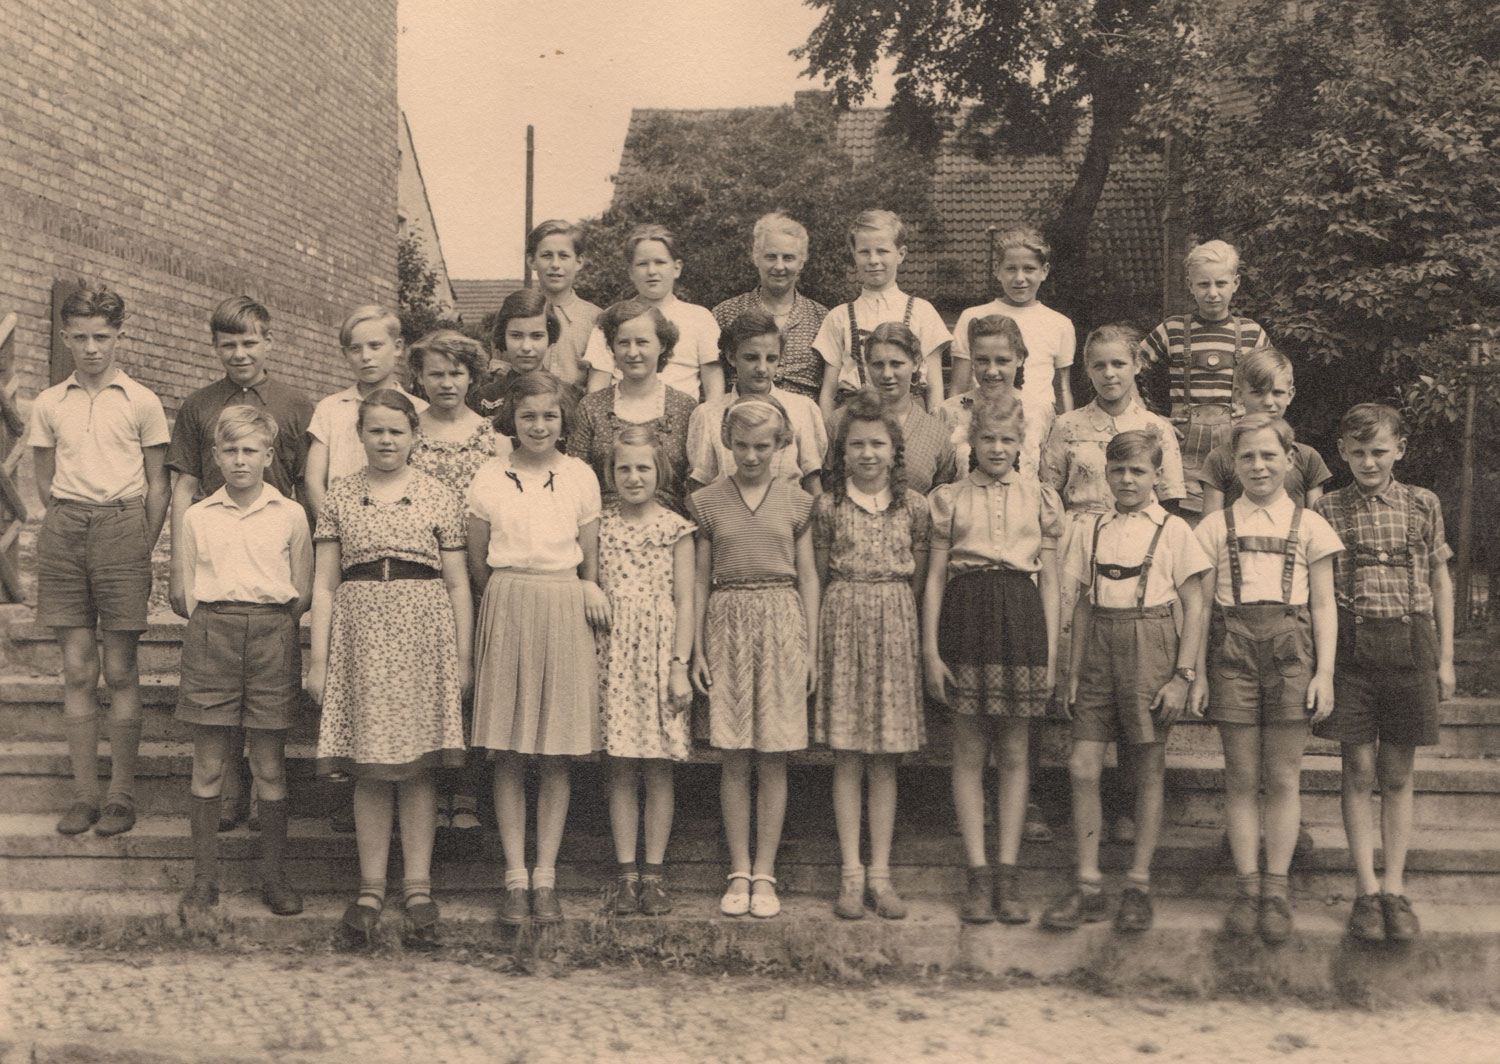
(98, 440)
(247, 562)
(751, 347)
(1193, 358)
(1131, 673)
(1271, 644)
(371, 341)
(553, 251)
(1395, 654)
(877, 240)
(1050, 340)
(1263, 385)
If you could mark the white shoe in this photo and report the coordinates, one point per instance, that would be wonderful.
(733, 903)
(764, 906)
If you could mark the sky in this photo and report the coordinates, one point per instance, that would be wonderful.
(474, 73)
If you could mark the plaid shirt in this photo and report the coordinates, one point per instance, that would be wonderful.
(801, 368)
(1372, 525)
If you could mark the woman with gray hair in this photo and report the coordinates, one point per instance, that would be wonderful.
(778, 247)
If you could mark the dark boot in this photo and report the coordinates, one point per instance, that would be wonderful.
(203, 818)
(1009, 907)
(278, 895)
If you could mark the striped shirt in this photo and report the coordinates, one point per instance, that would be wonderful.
(1215, 346)
(758, 544)
(1373, 528)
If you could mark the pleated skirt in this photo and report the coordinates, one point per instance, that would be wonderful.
(535, 686)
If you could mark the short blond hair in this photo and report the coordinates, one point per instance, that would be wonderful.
(881, 221)
(369, 312)
(238, 421)
(1213, 253)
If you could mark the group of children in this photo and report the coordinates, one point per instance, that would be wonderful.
(485, 587)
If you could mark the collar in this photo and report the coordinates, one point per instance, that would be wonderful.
(980, 478)
(269, 496)
(566, 307)
(118, 379)
(1102, 419)
(872, 504)
(1278, 512)
(1152, 511)
(264, 382)
(351, 393)
(885, 297)
(1390, 494)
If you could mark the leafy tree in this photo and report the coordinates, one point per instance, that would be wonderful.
(708, 178)
(1363, 187)
(417, 304)
(1022, 76)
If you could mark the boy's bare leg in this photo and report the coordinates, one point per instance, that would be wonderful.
(81, 710)
(1242, 770)
(1357, 785)
(1150, 764)
(122, 676)
(1283, 745)
(1085, 768)
(1393, 766)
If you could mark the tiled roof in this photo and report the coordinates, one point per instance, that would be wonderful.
(477, 298)
(969, 196)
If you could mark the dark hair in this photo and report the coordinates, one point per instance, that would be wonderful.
(1005, 326)
(553, 227)
(237, 316)
(523, 387)
(1258, 370)
(94, 300)
(748, 326)
(865, 405)
(523, 303)
(897, 334)
(617, 314)
(642, 436)
(1126, 445)
(452, 345)
(1362, 422)
(389, 399)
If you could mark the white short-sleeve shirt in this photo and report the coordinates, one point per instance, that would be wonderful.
(534, 515)
(1261, 571)
(99, 438)
(1050, 344)
(697, 346)
(333, 425)
(872, 309)
(259, 553)
(1123, 540)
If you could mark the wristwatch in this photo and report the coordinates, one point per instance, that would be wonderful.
(1186, 673)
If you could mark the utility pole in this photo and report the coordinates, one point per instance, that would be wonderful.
(530, 185)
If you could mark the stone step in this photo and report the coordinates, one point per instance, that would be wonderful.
(1442, 866)
(34, 650)
(1184, 956)
(31, 711)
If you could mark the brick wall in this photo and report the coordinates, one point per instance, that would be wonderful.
(186, 150)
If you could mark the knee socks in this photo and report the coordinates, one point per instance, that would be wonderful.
(272, 840)
(83, 752)
(124, 746)
(203, 815)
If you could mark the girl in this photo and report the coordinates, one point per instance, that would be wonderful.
(998, 354)
(391, 617)
(870, 537)
(642, 340)
(755, 642)
(989, 637)
(651, 255)
(452, 443)
(893, 360)
(1270, 662)
(646, 570)
(1073, 463)
(523, 334)
(534, 546)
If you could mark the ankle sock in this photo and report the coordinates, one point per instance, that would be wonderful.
(83, 753)
(1139, 882)
(416, 888)
(1091, 884)
(1274, 886)
(517, 878)
(1248, 884)
(203, 818)
(372, 886)
(544, 877)
(124, 748)
(628, 871)
(653, 871)
(272, 839)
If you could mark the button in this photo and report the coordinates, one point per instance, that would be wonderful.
(1212, 360)
(1359, 620)
(1384, 556)
(1405, 619)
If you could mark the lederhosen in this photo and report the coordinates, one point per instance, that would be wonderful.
(1201, 426)
(1125, 641)
(1261, 653)
(858, 338)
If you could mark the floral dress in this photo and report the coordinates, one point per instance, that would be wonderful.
(454, 462)
(391, 699)
(592, 438)
(869, 671)
(635, 653)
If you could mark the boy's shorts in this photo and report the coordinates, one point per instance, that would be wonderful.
(1385, 682)
(1260, 664)
(241, 665)
(93, 566)
(1129, 657)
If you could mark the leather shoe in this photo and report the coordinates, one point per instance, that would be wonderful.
(116, 819)
(655, 901)
(1009, 906)
(516, 907)
(1074, 909)
(1244, 912)
(545, 908)
(79, 818)
(1367, 921)
(1135, 912)
(280, 897)
(1400, 922)
(978, 905)
(888, 905)
(1275, 920)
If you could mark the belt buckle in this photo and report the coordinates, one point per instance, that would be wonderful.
(1113, 572)
(385, 570)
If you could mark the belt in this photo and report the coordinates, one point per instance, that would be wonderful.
(758, 584)
(245, 607)
(387, 569)
(1129, 613)
(113, 504)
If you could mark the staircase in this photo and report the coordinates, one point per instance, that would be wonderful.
(1455, 858)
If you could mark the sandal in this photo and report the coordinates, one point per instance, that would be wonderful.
(767, 905)
(357, 925)
(734, 903)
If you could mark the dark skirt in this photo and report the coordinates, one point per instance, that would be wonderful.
(992, 635)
